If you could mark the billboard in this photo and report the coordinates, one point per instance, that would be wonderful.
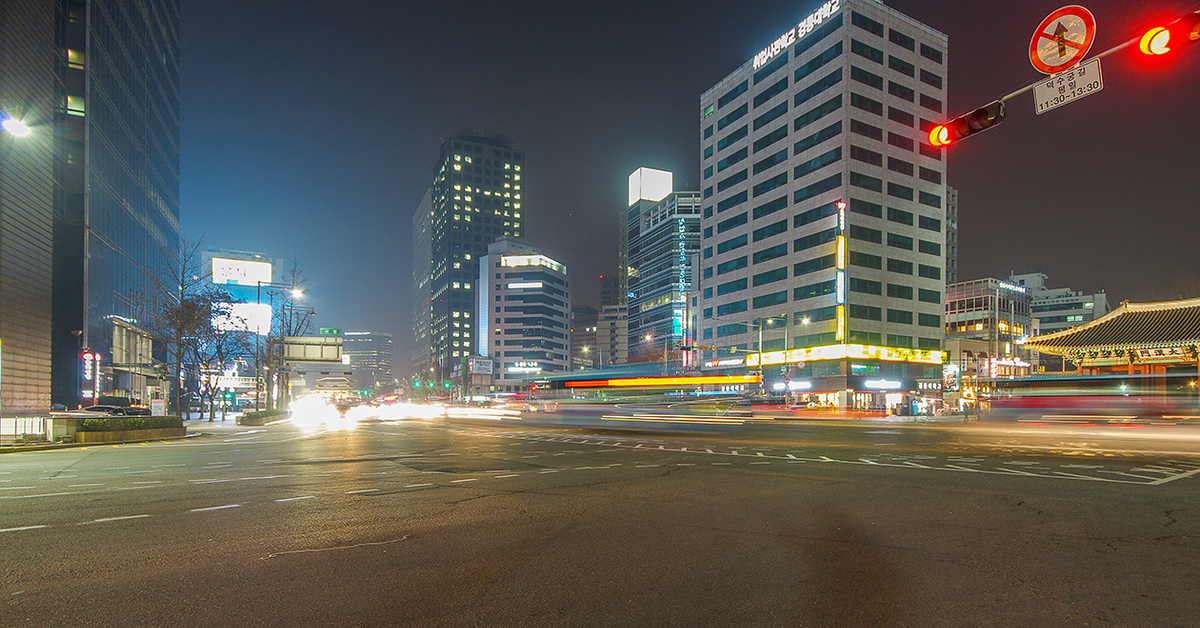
(240, 272)
(254, 317)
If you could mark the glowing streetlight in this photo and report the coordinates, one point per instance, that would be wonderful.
(14, 126)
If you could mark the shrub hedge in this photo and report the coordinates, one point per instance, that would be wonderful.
(117, 424)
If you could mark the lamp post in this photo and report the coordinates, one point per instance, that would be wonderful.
(296, 293)
(759, 323)
(13, 125)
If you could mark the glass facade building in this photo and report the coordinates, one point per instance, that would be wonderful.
(117, 209)
(98, 81)
(663, 233)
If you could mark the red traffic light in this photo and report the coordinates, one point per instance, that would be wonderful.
(967, 125)
(1156, 41)
(1161, 40)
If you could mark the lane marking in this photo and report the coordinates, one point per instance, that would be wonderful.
(365, 490)
(16, 488)
(21, 528)
(1176, 477)
(510, 475)
(58, 477)
(292, 499)
(464, 480)
(215, 508)
(416, 485)
(149, 482)
(42, 495)
(82, 485)
(108, 519)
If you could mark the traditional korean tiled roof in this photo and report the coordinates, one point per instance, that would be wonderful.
(1131, 326)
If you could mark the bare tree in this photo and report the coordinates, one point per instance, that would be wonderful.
(222, 341)
(176, 310)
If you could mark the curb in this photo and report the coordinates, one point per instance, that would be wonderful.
(52, 446)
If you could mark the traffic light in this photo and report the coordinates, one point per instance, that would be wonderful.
(417, 384)
(445, 384)
(968, 124)
(1161, 40)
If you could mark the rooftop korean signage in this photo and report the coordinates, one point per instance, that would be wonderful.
(798, 32)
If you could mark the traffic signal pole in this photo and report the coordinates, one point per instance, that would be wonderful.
(1180, 32)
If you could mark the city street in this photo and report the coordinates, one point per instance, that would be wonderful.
(477, 522)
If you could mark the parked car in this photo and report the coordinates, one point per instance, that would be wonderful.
(94, 411)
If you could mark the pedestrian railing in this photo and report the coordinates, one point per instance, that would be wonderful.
(23, 430)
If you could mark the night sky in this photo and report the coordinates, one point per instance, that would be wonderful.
(310, 130)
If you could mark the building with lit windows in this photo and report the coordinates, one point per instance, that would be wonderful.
(585, 350)
(1057, 309)
(663, 232)
(987, 323)
(28, 94)
(475, 199)
(370, 356)
(89, 201)
(823, 208)
(613, 325)
(524, 313)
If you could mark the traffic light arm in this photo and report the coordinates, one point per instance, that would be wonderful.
(1152, 42)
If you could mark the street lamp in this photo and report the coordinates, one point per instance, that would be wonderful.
(13, 125)
(296, 292)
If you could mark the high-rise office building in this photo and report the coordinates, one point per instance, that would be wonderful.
(28, 90)
(370, 355)
(951, 235)
(585, 353)
(99, 82)
(663, 233)
(613, 325)
(475, 199)
(524, 313)
(823, 205)
(420, 360)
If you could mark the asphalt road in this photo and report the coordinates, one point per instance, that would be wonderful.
(472, 522)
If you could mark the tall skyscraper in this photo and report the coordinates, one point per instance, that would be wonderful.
(663, 230)
(524, 313)
(475, 198)
(370, 354)
(823, 205)
(99, 82)
(28, 91)
(951, 235)
(420, 360)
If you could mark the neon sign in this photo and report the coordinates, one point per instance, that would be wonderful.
(796, 33)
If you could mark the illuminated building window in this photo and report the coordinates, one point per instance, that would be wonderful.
(75, 105)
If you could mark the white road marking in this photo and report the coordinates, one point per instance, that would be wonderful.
(149, 482)
(464, 480)
(15, 488)
(42, 495)
(1175, 477)
(760, 463)
(108, 519)
(646, 466)
(685, 464)
(722, 464)
(292, 499)
(21, 528)
(58, 477)
(416, 485)
(168, 465)
(510, 475)
(82, 485)
(215, 508)
(365, 490)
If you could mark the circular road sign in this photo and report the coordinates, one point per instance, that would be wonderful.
(1062, 39)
